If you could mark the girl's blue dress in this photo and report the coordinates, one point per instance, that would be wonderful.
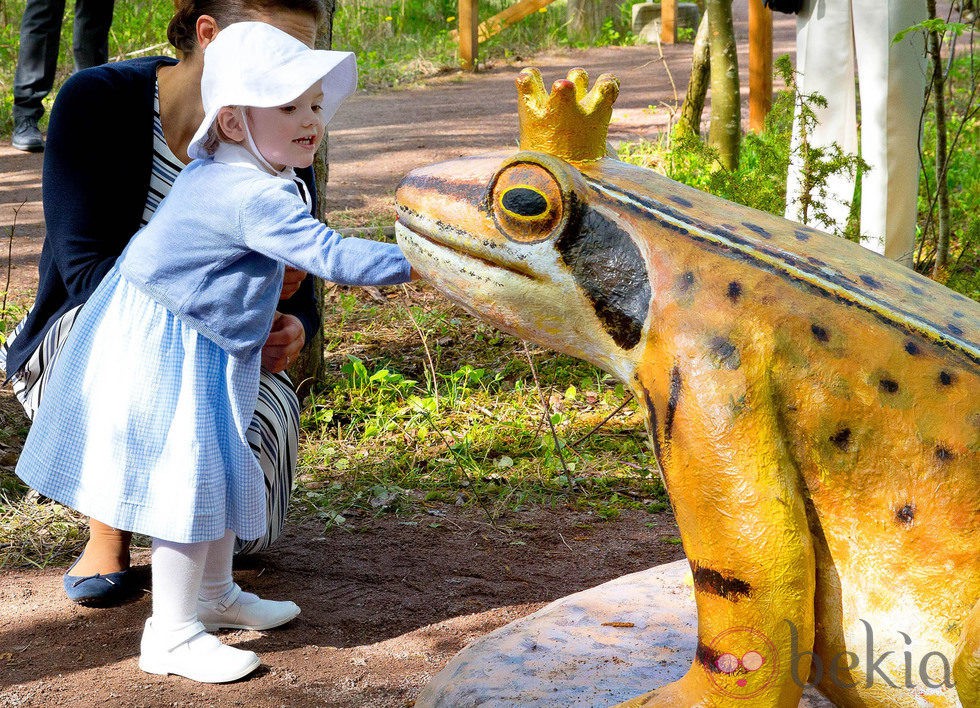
(139, 391)
(143, 424)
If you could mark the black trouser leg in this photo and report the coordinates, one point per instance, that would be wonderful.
(91, 41)
(37, 59)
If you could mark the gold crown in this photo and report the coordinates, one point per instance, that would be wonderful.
(572, 122)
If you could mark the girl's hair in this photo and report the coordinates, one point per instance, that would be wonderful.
(182, 32)
(214, 138)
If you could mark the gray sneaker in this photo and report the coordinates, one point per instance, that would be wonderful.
(27, 137)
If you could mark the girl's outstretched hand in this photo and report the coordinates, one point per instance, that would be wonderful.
(284, 343)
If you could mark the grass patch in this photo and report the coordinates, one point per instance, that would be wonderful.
(459, 419)
(36, 534)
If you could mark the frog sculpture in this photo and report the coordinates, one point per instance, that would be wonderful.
(814, 408)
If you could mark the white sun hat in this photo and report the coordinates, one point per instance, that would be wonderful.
(256, 64)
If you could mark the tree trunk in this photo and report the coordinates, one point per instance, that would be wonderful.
(308, 366)
(942, 161)
(697, 87)
(726, 124)
(586, 17)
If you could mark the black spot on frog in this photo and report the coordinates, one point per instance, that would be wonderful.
(609, 267)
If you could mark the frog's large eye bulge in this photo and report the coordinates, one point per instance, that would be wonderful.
(527, 202)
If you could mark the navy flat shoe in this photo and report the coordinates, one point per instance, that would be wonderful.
(98, 590)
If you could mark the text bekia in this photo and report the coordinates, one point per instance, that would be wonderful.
(845, 668)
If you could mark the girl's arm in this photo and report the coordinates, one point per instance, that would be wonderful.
(275, 222)
(303, 304)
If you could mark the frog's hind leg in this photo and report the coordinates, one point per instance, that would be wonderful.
(737, 497)
(966, 666)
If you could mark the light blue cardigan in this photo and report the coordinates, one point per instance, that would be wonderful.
(213, 253)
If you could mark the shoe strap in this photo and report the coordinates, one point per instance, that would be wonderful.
(175, 639)
(228, 600)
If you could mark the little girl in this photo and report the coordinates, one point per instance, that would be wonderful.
(143, 425)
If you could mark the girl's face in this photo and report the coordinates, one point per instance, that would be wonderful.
(289, 135)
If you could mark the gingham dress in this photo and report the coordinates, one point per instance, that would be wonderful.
(144, 422)
(139, 391)
(274, 431)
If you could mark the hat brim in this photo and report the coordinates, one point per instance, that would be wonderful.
(336, 71)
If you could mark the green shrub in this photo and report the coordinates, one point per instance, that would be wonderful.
(760, 178)
(759, 181)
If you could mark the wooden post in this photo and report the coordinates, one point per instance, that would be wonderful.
(469, 22)
(668, 21)
(760, 64)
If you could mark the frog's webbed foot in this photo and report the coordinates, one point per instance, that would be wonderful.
(696, 690)
(679, 694)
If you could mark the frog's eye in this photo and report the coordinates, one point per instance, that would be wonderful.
(524, 202)
(527, 202)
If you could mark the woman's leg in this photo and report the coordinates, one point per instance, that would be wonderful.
(107, 551)
(274, 438)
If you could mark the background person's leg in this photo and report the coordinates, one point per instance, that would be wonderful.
(37, 61)
(892, 80)
(825, 65)
(93, 18)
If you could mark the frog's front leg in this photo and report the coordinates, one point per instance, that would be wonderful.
(736, 494)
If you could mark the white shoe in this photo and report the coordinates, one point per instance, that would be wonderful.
(195, 654)
(238, 610)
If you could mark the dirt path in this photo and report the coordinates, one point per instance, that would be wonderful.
(386, 602)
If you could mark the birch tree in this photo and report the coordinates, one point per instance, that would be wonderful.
(726, 125)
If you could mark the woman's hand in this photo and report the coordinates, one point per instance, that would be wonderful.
(291, 282)
(284, 343)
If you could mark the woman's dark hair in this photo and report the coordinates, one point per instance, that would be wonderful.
(182, 32)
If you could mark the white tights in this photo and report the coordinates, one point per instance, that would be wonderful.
(183, 573)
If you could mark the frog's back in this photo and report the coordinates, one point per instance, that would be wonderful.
(821, 265)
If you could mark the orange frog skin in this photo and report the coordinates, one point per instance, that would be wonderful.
(814, 407)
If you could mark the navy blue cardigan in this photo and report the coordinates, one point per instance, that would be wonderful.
(97, 165)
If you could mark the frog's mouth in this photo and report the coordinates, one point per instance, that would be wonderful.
(453, 250)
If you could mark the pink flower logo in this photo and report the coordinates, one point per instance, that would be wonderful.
(744, 662)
